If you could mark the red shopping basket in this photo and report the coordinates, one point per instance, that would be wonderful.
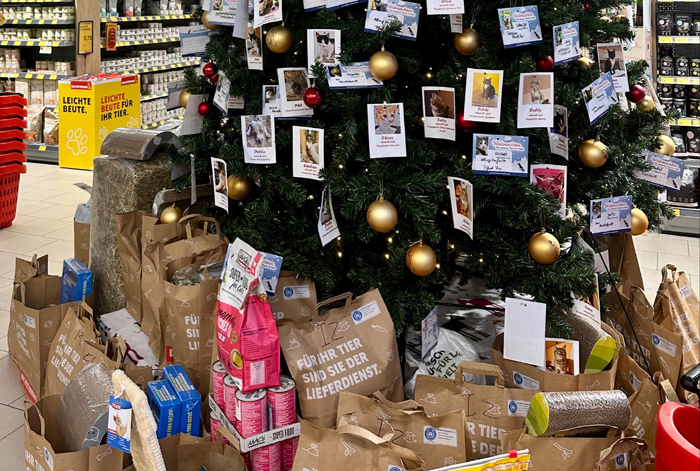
(9, 189)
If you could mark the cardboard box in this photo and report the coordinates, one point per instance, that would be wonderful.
(166, 408)
(22, 87)
(77, 281)
(37, 91)
(189, 398)
(50, 92)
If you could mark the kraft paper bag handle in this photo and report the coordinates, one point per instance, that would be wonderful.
(665, 272)
(641, 443)
(194, 218)
(29, 405)
(346, 296)
(346, 428)
(220, 255)
(480, 369)
(224, 432)
(408, 406)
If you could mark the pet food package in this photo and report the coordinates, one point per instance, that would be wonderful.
(23, 87)
(35, 124)
(246, 334)
(50, 93)
(294, 298)
(349, 348)
(50, 127)
(688, 193)
(37, 92)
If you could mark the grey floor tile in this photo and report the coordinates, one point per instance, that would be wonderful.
(12, 419)
(690, 265)
(647, 259)
(3, 343)
(12, 451)
(19, 403)
(672, 246)
(10, 387)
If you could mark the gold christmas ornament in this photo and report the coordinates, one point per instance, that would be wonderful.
(421, 259)
(382, 215)
(184, 98)
(238, 187)
(584, 62)
(205, 22)
(383, 65)
(593, 153)
(544, 248)
(279, 39)
(667, 147)
(467, 42)
(647, 104)
(639, 222)
(170, 215)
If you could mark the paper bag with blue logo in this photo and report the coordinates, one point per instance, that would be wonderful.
(294, 298)
(349, 348)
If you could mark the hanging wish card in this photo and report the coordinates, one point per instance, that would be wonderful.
(219, 179)
(335, 4)
(611, 60)
(387, 133)
(222, 93)
(611, 215)
(307, 152)
(194, 40)
(240, 27)
(222, 12)
(439, 112)
(559, 133)
(462, 200)
(599, 96)
(266, 11)
(666, 171)
(520, 26)
(567, 45)
(327, 223)
(253, 48)
(445, 7)
(236, 103)
(482, 101)
(495, 154)
(323, 45)
(536, 100)
(456, 24)
(552, 179)
(352, 75)
(174, 91)
(192, 121)
(294, 81)
(271, 100)
(258, 139)
(382, 12)
(312, 5)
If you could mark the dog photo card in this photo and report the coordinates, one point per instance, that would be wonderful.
(259, 139)
(307, 152)
(567, 45)
(271, 100)
(323, 45)
(536, 100)
(611, 215)
(222, 12)
(352, 75)
(445, 7)
(219, 178)
(387, 133)
(293, 83)
(494, 154)
(552, 179)
(381, 12)
(266, 11)
(559, 133)
(439, 112)
(253, 47)
(520, 26)
(611, 59)
(462, 200)
(482, 101)
(327, 223)
(599, 96)
(666, 171)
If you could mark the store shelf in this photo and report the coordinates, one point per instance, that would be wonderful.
(153, 97)
(37, 1)
(163, 122)
(42, 148)
(146, 41)
(42, 153)
(37, 43)
(160, 68)
(680, 80)
(686, 122)
(679, 39)
(31, 75)
(39, 22)
(131, 19)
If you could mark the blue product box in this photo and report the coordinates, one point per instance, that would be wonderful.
(189, 398)
(77, 281)
(166, 408)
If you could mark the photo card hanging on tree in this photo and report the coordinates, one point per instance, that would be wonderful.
(611, 60)
(253, 48)
(520, 26)
(482, 101)
(462, 201)
(666, 171)
(387, 132)
(327, 223)
(382, 12)
(313, 5)
(536, 100)
(266, 11)
(599, 96)
(439, 112)
(222, 93)
(552, 179)
(240, 27)
(445, 7)
(611, 215)
(456, 24)
(335, 4)
(352, 75)
(219, 179)
(567, 45)
(495, 154)
(559, 132)
(307, 152)
(192, 121)
(223, 12)
(323, 45)
(294, 81)
(258, 139)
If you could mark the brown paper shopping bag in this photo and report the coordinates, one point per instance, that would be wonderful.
(644, 405)
(626, 454)
(129, 242)
(350, 348)
(81, 242)
(294, 298)
(490, 410)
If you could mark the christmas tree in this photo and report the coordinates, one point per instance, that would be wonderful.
(281, 214)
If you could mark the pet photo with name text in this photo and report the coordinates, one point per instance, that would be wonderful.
(295, 82)
(254, 42)
(537, 89)
(485, 91)
(439, 103)
(258, 131)
(387, 119)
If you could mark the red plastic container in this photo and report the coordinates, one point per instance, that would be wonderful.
(12, 99)
(12, 135)
(8, 147)
(12, 124)
(677, 438)
(9, 189)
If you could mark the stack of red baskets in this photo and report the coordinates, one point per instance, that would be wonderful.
(12, 153)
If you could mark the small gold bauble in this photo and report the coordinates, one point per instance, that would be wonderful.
(639, 222)
(593, 153)
(205, 22)
(170, 215)
(382, 215)
(421, 259)
(667, 147)
(184, 98)
(467, 42)
(647, 104)
(238, 187)
(544, 248)
(584, 62)
(279, 39)
(383, 65)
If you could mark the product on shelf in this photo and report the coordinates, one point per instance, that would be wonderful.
(43, 34)
(143, 60)
(150, 32)
(38, 13)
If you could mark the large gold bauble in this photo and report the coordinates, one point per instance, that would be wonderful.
(584, 62)
(639, 222)
(238, 187)
(667, 147)
(544, 248)
(467, 42)
(170, 215)
(383, 65)
(421, 260)
(184, 98)
(593, 153)
(382, 215)
(205, 22)
(279, 39)
(647, 104)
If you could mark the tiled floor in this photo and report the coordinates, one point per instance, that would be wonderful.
(44, 224)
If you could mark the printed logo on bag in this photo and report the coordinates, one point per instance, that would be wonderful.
(366, 312)
(525, 382)
(518, 408)
(440, 436)
(394, 468)
(430, 433)
(296, 292)
(30, 322)
(48, 458)
(621, 461)
(663, 345)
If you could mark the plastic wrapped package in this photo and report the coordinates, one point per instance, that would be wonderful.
(137, 145)
(35, 123)
(186, 276)
(83, 213)
(50, 127)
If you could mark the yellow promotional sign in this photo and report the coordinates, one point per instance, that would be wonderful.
(89, 111)
(509, 462)
(85, 37)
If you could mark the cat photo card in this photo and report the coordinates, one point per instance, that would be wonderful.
(439, 112)
(222, 93)
(352, 75)
(327, 223)
(323, 45)
(462, 200)
(520, 26)
(223, 12)
(313, 5)
(482, 101)
(258, 139)
(445, 7)
(271, 100)
(307, 152)
(599, 96)
(266, 11)
(611, 60)
(381, 12)
(552, 179)
(294, 81)
(495, 154)
(567, 43)
(253, 47)
(536, 100)
(666, 171)
(561, 356)
(387, 133)
(559, 132)
(456, 24)
(219, 179)
(611, 215)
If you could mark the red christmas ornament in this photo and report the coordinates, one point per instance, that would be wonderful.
(312, 97)
(204, 108)
(636, 93)
(465, 124)
(545, 64)
(214, 78)
(587, 6)
(209, 69)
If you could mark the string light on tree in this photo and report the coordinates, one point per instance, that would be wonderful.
(640, 223)
(420, 259)
(170, 215)
(382, 215)
(544, 248)
(465, 124)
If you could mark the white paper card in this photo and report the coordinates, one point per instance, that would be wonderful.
(311, 5)
(429, 331)
(254, 49)
(271, 100)
(387, 133)
(323, 45)
(219, 178)
(223, 12)
(523, 335)
(536, 100)
(307, 152)
(599, 96)
(240, 27)
(294, 81)
(566, 43)
(456, 24)
(327, 223)
(222, 94)
(258, 139)
(462, 201)
(611, 215)
(439, 112)
(194, 40)
(482, 101)
(192, 121)
(611, 59)
(174, 90)
(559, 132)
(445, 7)
(266, 11)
